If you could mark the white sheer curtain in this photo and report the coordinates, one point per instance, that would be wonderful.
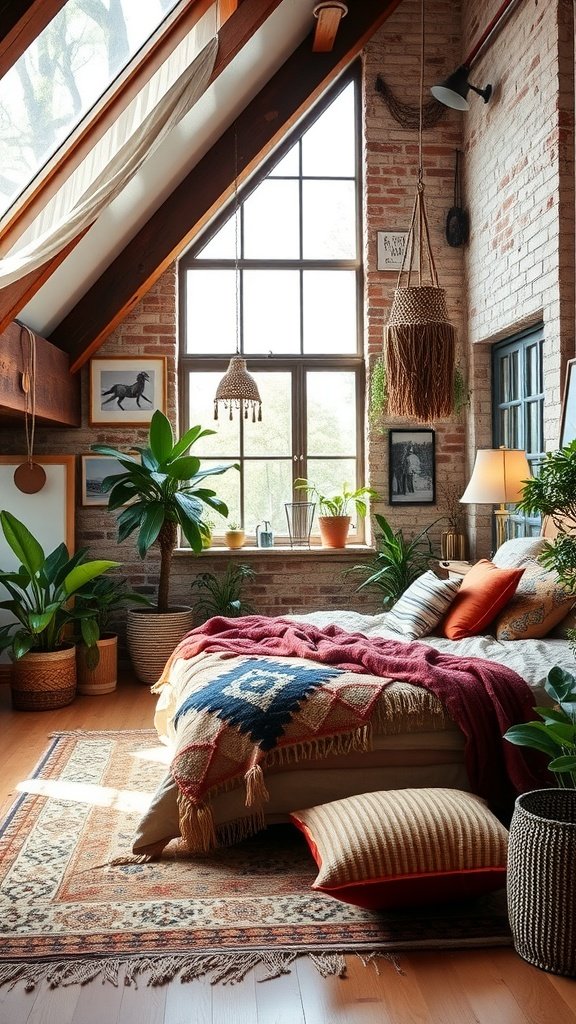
(115, 158)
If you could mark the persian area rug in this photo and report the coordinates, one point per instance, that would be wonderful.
(70, 910)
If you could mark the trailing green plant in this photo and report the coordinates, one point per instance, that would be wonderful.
(222, 595)
(378, 391)
(338, 504)
(399, 561)
(555, 735)
(41, 590)
(164, 490)
(462, 394)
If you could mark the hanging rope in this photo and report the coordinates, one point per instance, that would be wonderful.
(29, 477)
(419, 340)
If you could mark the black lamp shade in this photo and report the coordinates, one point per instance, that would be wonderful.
(453, 91)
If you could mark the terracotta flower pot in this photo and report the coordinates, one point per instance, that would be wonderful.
(334, 531)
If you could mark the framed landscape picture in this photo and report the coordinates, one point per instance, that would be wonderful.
(94, 469)
(411, 467)
(126, 392)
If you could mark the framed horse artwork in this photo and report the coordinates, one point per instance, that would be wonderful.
(126, 392)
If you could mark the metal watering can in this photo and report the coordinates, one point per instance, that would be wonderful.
(264, 535)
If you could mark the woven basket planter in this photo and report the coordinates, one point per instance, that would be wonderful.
(541, 880)
(103, 677)
(152, 636)
(42, 681)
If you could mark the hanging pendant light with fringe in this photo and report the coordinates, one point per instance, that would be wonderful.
(238, 389)
(419, 340)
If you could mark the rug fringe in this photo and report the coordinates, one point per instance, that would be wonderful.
(219, 968)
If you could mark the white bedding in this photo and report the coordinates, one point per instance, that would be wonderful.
(531, 659)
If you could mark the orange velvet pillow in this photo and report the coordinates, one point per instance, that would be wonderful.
(483, 593)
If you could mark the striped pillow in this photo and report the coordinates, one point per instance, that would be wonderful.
(422, 606)
(405, 846)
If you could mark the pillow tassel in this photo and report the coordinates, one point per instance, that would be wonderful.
(256, 792)
(196, 825)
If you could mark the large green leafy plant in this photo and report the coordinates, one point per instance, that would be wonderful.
(552, 494)
(164, 489)
(40, 592)
(399, 561)
(555, 735)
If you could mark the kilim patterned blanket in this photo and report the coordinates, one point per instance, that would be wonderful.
(255, 691)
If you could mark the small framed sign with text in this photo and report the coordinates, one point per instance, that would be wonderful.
(391, 246)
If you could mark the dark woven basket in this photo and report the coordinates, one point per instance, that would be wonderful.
(541, 880)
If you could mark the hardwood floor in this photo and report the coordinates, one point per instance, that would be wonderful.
(483, 986)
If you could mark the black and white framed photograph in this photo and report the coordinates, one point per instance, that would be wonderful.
(127, 392)
(568, 421)
(94, 469)
(412, 469)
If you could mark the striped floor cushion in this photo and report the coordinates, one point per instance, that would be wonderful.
(405, 847)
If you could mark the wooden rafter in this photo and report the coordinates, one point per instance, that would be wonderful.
(329, 15)
(20, 22)
(232, 37)
(263, 123)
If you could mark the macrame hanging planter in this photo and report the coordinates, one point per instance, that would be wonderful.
(419, 340)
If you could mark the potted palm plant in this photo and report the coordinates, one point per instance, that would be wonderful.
(40, 592)
(158, 494)
(334, 510)
(97, 647)
(399, 561)
(222, 595)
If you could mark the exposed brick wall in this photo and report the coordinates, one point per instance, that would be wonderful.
(525, 134)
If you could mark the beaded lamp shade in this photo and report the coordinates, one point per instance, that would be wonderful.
(238, 390)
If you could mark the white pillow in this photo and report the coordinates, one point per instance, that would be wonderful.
(422, 606)
(519, 552)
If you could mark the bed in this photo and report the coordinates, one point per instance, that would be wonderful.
(372, 707)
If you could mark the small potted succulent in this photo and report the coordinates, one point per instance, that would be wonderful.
(234, 536)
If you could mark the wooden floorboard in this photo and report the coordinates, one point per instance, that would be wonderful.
(480, 986)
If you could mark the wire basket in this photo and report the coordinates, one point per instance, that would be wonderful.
(300, 515)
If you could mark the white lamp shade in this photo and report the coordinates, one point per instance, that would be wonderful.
(498, 477)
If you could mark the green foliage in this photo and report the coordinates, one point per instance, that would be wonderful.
(338, 504)
(399, 561)
(222, 595)
(105, 595)
(40, 592)
(378, 391)
(164, 490)
(552, 493)
(461, 392)
(555, 735)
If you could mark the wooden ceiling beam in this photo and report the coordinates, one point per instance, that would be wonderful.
(329, 15)
(263, 123)
(20, 22)
(232, 37)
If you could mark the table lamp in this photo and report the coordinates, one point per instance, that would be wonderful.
(498, 477)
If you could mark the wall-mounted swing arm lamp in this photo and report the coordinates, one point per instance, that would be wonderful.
(453, 91)
(498, 478)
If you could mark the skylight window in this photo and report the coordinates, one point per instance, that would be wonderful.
(60, 77)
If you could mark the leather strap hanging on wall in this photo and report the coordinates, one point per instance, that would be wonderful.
(457, 221)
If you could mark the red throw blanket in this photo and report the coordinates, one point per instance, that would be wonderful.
(482, 697)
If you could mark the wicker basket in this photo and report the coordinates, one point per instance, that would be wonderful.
(152, 636)
(541, 879)
(42, 681)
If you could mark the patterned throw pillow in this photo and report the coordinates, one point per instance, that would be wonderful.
(422, 606)
(405, 846)
(539, 604)
(484, 592)
(519, 552)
